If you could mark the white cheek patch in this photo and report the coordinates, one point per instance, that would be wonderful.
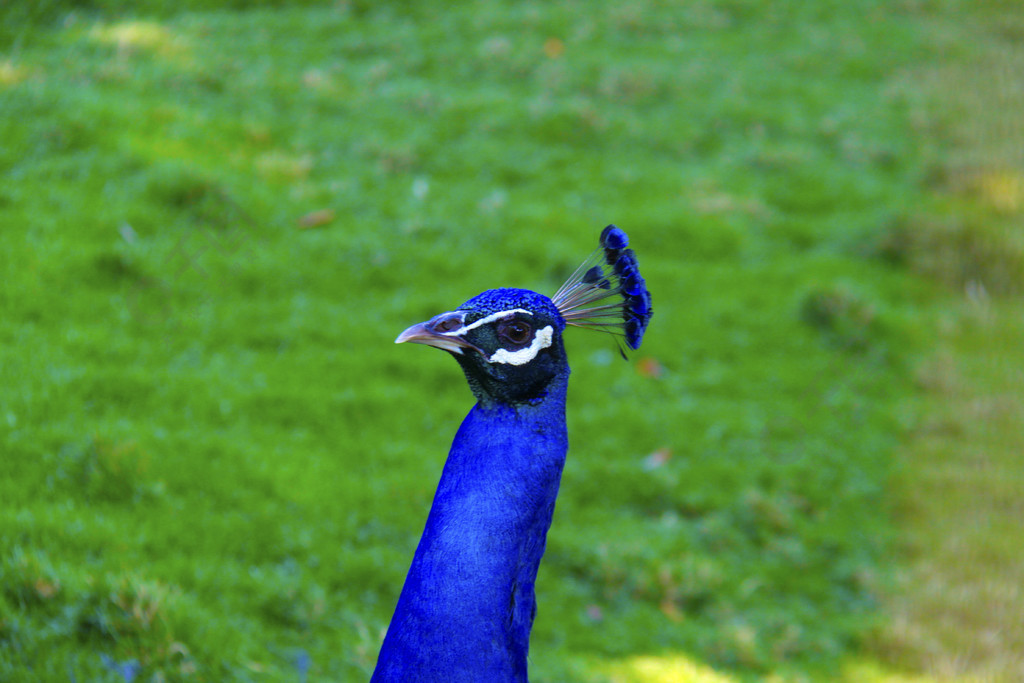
(541, 340)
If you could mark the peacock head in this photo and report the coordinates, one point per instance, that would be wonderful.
(509, 341)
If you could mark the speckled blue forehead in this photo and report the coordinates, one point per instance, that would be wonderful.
(506, 299)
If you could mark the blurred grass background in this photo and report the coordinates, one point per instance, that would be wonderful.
(216, 216)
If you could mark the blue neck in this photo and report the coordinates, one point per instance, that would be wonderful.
(468, 604)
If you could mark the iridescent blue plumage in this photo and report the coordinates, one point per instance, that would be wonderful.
(613, 238)
(468, 604)
(510, 298)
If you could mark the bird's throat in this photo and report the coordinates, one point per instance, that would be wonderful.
(467, 606)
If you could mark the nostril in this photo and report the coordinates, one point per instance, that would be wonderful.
(448, 324)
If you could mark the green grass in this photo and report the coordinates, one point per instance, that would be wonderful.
(218, 465)
(954, 613)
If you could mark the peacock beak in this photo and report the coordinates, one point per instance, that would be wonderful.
(442, 332)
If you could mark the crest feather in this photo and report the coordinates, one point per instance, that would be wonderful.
(607, 291)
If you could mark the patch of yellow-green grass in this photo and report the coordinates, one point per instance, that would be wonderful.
(866, 671)
(680, 668)
(959, 611)
(966, 107)
(674, 668)
(130, 37)
(12, 73)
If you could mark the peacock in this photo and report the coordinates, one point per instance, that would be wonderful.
(468, 604)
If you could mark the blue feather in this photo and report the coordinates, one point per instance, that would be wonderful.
(639, 306)
(613, 238)
(625, 262)
(593, 275)
(634, 285)
(635, 328)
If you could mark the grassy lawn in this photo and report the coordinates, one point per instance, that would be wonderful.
(214, 221)
(956, 611)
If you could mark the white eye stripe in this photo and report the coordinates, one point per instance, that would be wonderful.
(485, 320)
(541, 340)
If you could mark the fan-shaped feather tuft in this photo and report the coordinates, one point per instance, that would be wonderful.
(611, 272)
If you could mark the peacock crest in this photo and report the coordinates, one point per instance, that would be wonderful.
(607, 291)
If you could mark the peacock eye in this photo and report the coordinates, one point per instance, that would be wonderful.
(516, 331)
